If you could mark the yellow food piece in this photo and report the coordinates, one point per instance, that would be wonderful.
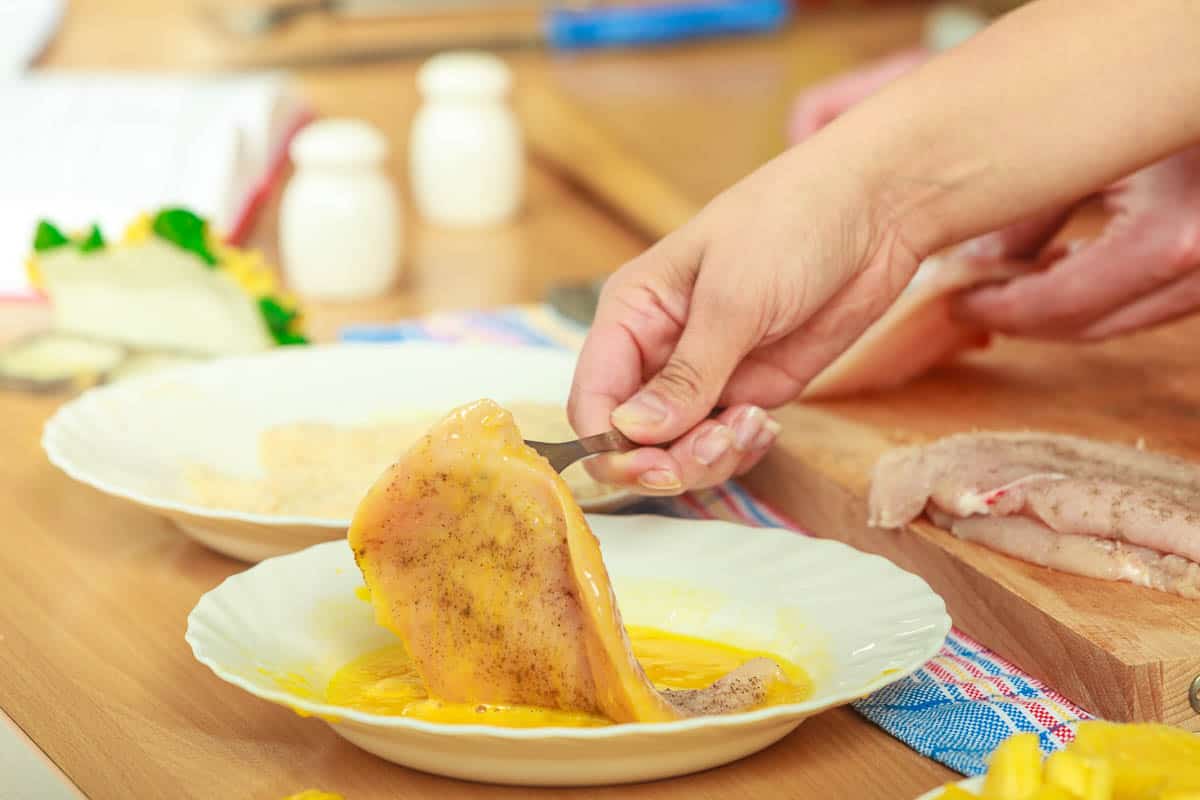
(314, 794)
(956, 793)
(1148, 760)
(1085, 778)
(386, 682)
(33, 272)
(139, 230)
(248, 269)
(1106, 761)
(1067, 771)
(1148, 742)
(1015, 772)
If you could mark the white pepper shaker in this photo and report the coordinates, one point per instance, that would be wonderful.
(466, 151)
(340, 227)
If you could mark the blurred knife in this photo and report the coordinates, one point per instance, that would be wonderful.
(566, 28)
(631, 26)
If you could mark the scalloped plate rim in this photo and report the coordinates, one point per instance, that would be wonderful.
(783, 713)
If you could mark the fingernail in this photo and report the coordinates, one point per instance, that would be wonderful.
(642, 409)
(747, 427)
(618, 463)
(983, 247)
(661, 480)
(712, 445)
(770, 430)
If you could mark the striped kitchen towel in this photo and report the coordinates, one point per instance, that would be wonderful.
(956, 709)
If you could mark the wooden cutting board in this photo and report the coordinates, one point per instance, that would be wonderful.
(656, 134)
(1122, 652)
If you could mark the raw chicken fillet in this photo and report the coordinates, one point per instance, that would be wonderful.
(917, 333)
(1072, 504)
(477, 556)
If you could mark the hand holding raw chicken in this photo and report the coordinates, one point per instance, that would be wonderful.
(780, 274)
(1142, 270)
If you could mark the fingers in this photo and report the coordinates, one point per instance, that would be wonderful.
(1132, 258)
(764, 377)
(754, 447)
(647, 470)
(777, 372)
(774, 374)
(822, 104)
(634, 331)
(685, 390)
(706, 456)
(608, 370)
(1023, 239)
(1171, 302)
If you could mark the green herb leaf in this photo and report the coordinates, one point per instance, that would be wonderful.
(48, 237)
(185, 229)
(276, 316)
(279, 321)
(93, 241)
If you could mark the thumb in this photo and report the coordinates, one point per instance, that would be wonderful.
(685, 390)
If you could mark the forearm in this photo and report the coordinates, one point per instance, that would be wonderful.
(1052, 102)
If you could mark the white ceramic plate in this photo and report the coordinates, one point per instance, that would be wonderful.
(137, 438)
(970, 784)
(855, 622)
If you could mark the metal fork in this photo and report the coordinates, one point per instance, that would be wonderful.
(563, 454)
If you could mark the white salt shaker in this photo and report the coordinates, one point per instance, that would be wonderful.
(340, 227)
(466, 157)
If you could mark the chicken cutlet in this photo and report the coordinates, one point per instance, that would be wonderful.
(477, 556)
(1076, 505)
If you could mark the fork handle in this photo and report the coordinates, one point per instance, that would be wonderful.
(609, 442)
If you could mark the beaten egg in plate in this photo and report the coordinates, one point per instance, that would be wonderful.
(386, 682)
(696, 597)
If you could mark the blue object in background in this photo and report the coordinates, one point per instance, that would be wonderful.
(631, 26)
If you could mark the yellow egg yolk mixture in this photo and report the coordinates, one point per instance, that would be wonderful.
(386, 682)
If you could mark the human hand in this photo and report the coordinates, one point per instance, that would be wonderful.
(1142, 270)
(739, 308)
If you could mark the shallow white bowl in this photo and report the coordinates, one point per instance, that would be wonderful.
(970, 784)
(136, 439)
(855, 622)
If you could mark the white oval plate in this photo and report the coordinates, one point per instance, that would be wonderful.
(855, 622)
(970, 784)
(137, 438)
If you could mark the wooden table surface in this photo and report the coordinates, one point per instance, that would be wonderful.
(94, 593)
(638, 130)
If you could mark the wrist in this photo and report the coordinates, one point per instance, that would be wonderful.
(881, 189)
(922, 205)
